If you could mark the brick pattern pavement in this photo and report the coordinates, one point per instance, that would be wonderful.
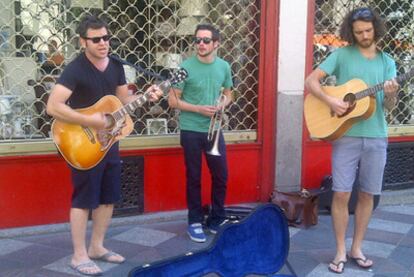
(389, 242)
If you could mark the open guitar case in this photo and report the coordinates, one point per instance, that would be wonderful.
(257, 244)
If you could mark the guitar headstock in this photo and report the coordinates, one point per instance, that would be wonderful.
(178, 76)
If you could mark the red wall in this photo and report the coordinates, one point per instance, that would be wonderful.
(36, 190)
(33, 190)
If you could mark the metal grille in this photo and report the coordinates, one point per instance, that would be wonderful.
(399, 170)
(132, 187)
(398, 42)
(154, 34)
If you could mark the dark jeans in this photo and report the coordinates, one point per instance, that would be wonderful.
(194, 144)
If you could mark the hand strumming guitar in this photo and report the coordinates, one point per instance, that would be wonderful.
(338, 106)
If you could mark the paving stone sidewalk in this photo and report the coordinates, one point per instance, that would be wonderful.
(45, 251)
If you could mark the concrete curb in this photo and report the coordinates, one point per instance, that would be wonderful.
(397, 197)
(117, 221)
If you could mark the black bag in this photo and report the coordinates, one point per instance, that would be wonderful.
(325, 200)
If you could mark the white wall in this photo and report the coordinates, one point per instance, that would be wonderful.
(291, 70)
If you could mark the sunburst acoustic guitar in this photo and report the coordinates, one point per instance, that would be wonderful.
(84, 147)
(323, 124)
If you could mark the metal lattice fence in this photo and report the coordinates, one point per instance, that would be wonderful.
(398, 42)
(153, 34)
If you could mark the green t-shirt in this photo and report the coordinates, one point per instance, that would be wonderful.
(202, 87)
(348, 63)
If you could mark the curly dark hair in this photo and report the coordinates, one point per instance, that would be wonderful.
(364, 14)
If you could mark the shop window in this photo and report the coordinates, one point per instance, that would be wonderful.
(155, 35)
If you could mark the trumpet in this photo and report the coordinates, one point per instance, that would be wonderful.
(216, 123)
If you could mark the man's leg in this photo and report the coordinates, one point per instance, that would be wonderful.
(340, 218)
(78, 224)
(362, 216)
(346, 154)
(219, 175)
(192, 146)
(371, 173)
(101, 218)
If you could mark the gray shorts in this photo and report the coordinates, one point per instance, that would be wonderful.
(351, 155)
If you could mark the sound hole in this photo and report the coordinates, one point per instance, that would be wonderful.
(351, 99)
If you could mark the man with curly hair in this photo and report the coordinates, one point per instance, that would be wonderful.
(362, 150)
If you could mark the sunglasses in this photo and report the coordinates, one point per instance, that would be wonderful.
(362, 13)
(98, 39)
(205, 40)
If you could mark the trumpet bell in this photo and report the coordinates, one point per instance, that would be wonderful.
(214, 151)
(215, 126)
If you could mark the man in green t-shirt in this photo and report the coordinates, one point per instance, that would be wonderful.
(362, 150)
(208, 77)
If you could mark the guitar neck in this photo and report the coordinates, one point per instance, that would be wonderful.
(141, 99)
(372, 90)
(369, 91)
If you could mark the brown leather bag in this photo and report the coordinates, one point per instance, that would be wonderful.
(301, 208)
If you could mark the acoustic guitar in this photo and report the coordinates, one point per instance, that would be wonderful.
(84, 147)
(324, 124)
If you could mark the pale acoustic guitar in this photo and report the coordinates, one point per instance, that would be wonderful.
(84, 147)
(324, 124)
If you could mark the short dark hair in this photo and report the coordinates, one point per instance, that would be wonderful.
(90, 22)
(215, 34)
(365, 14)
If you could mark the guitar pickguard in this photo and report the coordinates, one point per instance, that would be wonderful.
(107, 136)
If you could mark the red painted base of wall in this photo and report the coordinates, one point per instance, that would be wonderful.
(37, 190)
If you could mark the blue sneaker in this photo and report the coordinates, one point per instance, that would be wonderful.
(196, 233)
(213, 228)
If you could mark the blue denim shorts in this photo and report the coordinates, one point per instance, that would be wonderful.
(365, 156)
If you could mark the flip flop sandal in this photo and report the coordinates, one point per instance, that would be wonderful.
(107, 258)
(82, 268)
(361, 261)
(337, 265)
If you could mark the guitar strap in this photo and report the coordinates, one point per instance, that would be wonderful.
(138, 68)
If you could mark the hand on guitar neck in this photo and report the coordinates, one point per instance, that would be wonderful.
(154, 93)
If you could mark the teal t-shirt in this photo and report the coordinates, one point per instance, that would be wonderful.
(202, 87)
(348, 63)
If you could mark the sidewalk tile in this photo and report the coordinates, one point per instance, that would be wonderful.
(144, 236)
(390, 226)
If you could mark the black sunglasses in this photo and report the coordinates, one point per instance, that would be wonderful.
(205, 40)
(98, 39)
(362, 13)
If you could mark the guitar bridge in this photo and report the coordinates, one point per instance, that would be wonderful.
(89, 134)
